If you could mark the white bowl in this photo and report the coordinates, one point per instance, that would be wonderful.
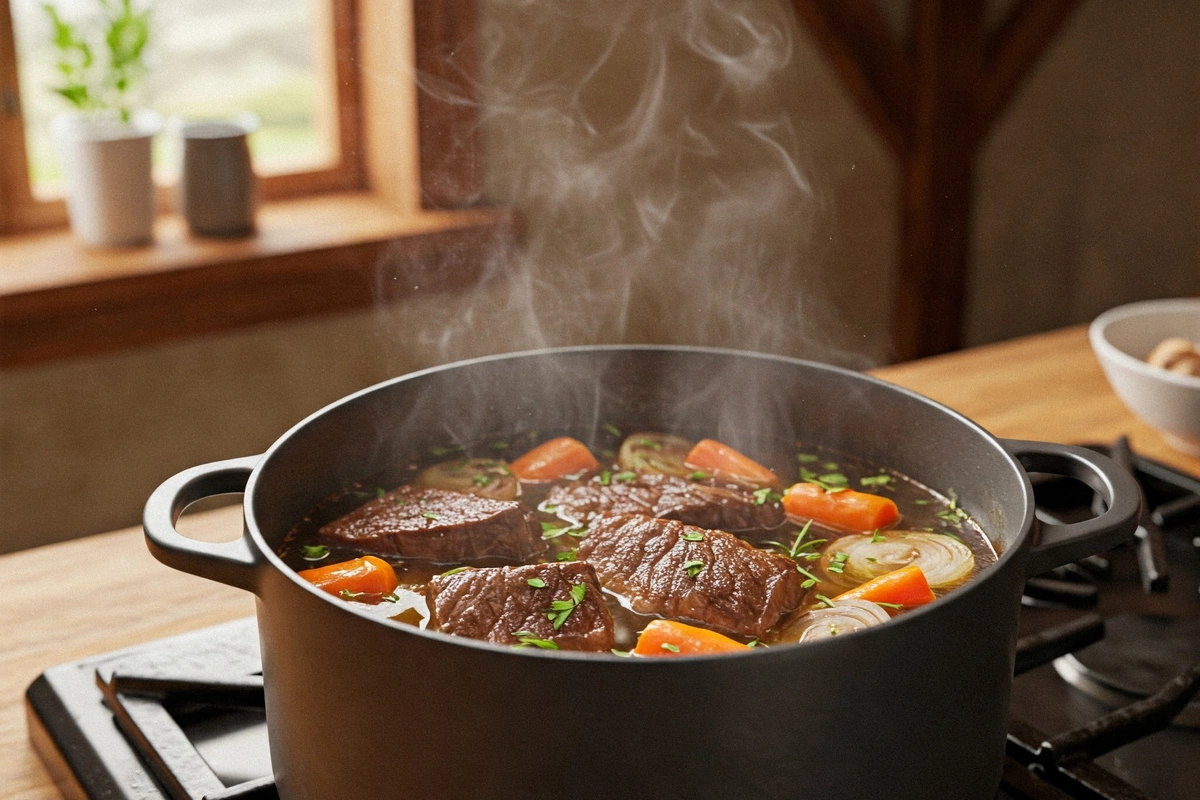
(1122, 338)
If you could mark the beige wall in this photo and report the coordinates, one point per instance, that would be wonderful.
(775, 195)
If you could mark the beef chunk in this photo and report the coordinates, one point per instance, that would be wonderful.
(494, 603)
(438, 525)
(674, 570)
(669, 497)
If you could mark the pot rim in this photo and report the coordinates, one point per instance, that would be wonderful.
(960, 594)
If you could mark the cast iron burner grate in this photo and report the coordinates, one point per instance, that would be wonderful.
(189, 720)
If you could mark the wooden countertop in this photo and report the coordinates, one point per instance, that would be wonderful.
(70, 600)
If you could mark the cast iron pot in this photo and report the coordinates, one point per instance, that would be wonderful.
(374, 710)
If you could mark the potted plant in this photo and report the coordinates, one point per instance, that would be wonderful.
(104, 142)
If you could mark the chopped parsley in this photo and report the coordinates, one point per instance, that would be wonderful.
(625, 476)
(391, 597)
(621, 653)
(605, 477)
(882, 481)
(429, 515)
(561, 609)
(568, 555)
(552, 530)
(698, 475)
(536, 583)
(830, 481)
(812, 580)
(797, 548)
(670, 648)
(482, 479)
(527, 639)
(692, 536)
(877, 537)
(314, 552)
(825, 600)
(890, 605)
(346, 594)
(838, 563)
(807, 458)
(762, 496)
(379, 492)
(653, 445)
(693, 567)
(454, 571)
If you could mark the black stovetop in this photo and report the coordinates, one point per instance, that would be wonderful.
(193, 703)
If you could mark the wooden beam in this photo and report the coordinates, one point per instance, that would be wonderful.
(871, 63)
(1013, 50)
(447, 63)
(937, 178)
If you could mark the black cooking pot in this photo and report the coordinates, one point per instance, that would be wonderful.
(363, 708)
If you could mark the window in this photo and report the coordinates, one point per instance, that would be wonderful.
(290, 62)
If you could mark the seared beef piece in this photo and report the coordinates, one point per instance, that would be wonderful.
(438, 525)
(682, 572)
(667, 497)
(494, 603)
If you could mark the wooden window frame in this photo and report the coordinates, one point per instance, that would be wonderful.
(334, 34)
(414, 221)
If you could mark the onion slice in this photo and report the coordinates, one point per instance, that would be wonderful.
(945, 560)
(486, 477)
(655, 452)
(845, 616)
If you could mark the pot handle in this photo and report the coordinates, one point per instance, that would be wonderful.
(233, 562)
(1062, 544)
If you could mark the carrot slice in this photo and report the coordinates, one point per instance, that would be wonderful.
(857, 511)
(554, 459)
(905, 587)
(721, 460)
(366, 575)
(665, 637)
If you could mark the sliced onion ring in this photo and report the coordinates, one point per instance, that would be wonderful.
(486, 477)
(846, 616)
(945, 561)
(655, 452)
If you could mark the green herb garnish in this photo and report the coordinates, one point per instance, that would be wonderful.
(693, 567)
(392, 597)
(612, 429)
(314, 552)
(698, 475)
(625, 476)
(605, 477)
(825, 600)
(799, 545)
(454, 571)
(482, 479)
(346, 594)
(561, 609)
(429, 515)
(807, 458)
(692, 536)
(527, 639)
(766, 495)
(379, 493)
(812, 581)
(830, 482)
(877, 537)
(884, 481)
(838, 563)
(670, 648)
(568, 555)
(890, 605)
(536, 583)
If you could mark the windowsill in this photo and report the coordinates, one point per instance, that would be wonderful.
(321, 254)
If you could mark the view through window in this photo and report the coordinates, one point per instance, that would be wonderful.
(207, 59)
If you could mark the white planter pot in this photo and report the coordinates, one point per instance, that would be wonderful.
(106, 162)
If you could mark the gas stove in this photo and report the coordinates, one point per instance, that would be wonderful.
(1103, 703)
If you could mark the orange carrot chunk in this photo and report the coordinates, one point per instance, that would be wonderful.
(366, 575)
(856, 511)
(665, 637)
(905, 587)
(554, 459)
(723, 461)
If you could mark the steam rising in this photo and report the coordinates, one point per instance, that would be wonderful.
(654, 153)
